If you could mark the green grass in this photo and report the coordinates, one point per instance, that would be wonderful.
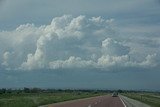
(151, 99)
(36, 99)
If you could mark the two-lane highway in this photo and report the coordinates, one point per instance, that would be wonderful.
(100, 101)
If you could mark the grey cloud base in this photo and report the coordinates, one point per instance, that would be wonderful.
(70, 42)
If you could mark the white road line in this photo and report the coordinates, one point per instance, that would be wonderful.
(123, 102)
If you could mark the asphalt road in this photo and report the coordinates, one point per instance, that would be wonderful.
(100, 101)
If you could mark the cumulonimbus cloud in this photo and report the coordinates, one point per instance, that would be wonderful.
(68, 42)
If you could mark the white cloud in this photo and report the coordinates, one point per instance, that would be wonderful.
(124, 61)
(150, 61)
(70, 42)
(108, 61)
(6, 57)
(114, 48)
(66, 35)
(72, 62)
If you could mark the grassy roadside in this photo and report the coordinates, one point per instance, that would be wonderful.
(36, 99)
(151, 99)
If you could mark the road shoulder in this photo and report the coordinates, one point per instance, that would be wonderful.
(133, 103)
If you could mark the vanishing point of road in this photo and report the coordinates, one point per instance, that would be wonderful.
(100, 101)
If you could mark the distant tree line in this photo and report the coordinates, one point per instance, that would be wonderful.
(39, 90)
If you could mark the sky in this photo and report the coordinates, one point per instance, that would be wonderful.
(91, 44)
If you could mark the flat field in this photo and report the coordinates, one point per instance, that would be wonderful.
(152, 99)
(42, 98)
